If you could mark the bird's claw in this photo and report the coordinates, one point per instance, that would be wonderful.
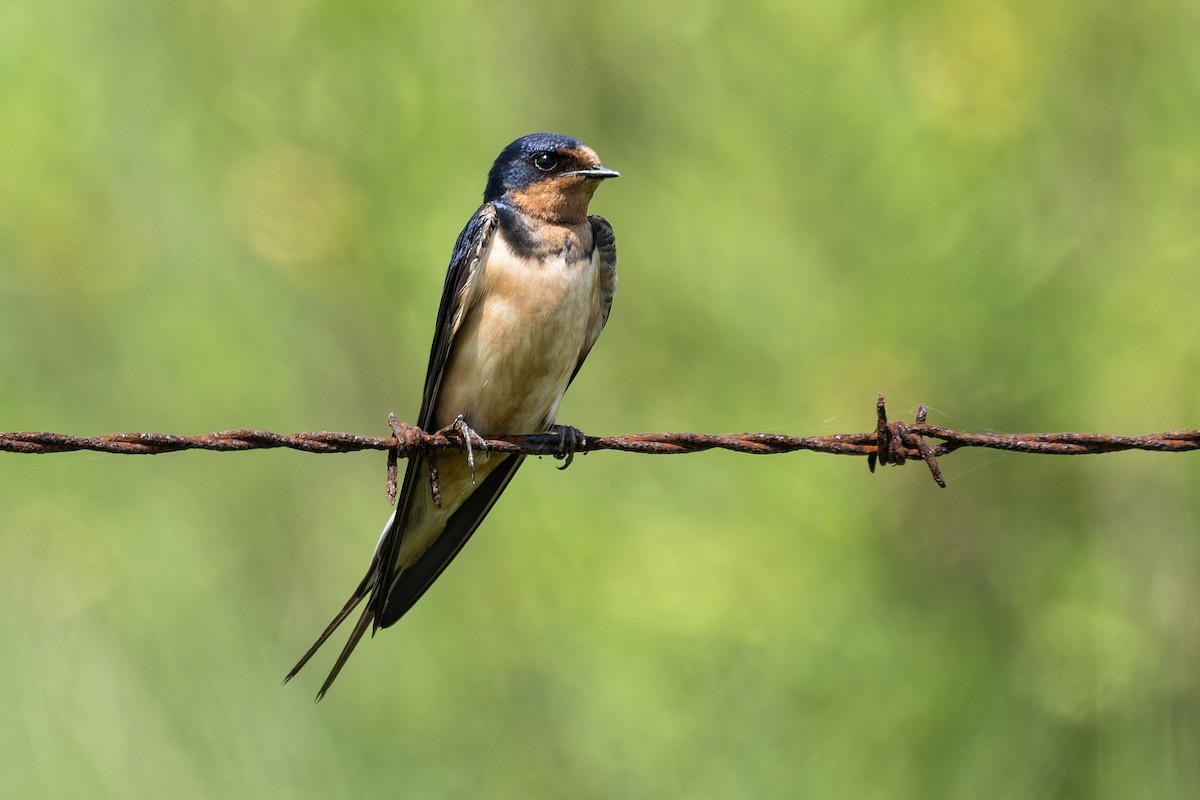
(569, 440)
(469, 437)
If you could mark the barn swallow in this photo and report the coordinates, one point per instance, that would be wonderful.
(528, 290)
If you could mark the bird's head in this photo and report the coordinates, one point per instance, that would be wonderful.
(547, 175)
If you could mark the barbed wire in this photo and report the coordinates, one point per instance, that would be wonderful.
(891, 443)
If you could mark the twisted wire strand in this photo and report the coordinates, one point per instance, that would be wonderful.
(892, 442)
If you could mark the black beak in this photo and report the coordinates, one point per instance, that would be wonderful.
(598, 173)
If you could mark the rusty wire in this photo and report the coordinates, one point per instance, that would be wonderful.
(891, 443)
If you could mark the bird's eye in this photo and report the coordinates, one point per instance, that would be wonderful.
(545, 161)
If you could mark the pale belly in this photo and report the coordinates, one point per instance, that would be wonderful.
(519, 343)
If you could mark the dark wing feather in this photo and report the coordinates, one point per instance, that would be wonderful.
(605, 243)
(471, 244)
(410, 583)
(381, 572)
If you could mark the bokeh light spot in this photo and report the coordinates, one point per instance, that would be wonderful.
(290, 206)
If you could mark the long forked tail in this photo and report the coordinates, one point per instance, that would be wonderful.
(355, 635)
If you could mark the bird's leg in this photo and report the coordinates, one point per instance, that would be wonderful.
(569, 440)
(469, 437)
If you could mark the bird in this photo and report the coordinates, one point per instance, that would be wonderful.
(529, 288)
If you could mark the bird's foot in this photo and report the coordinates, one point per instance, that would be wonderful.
(469, 438)
(569, 440)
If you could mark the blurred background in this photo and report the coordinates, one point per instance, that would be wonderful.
(238, 214)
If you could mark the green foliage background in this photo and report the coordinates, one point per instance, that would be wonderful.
(238, 214)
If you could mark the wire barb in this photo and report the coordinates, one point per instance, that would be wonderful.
(393, 457)
(891, 443)
(896, 441)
